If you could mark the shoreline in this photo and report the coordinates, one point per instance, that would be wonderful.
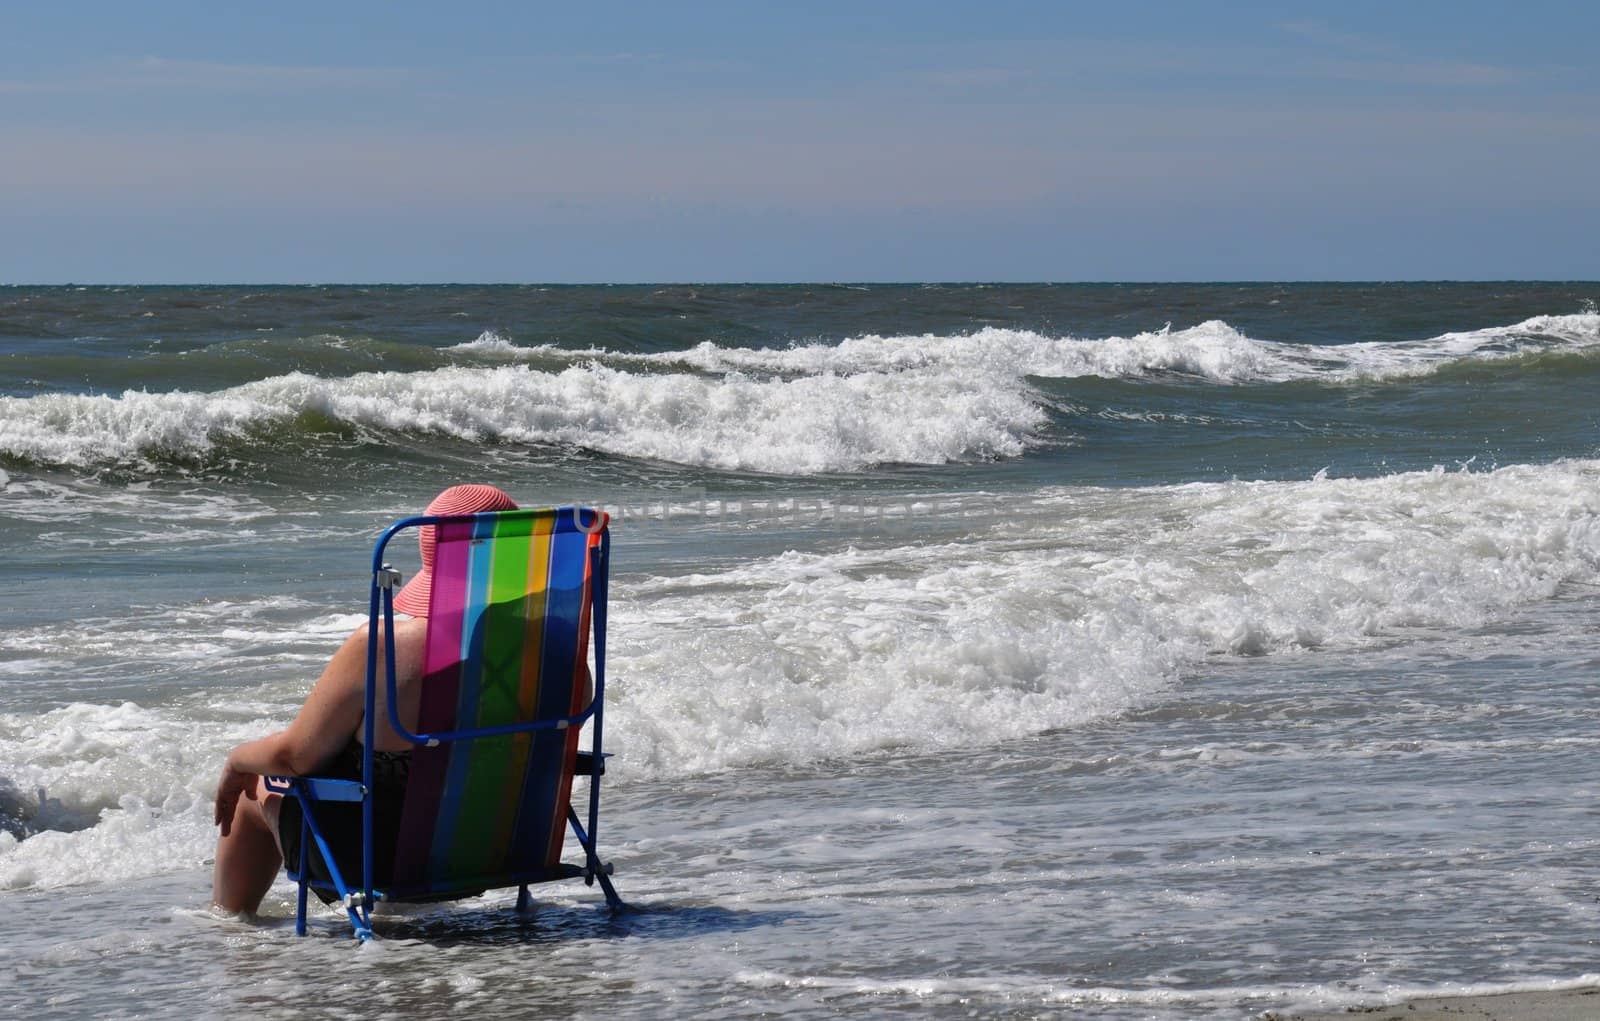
(1577, 1004)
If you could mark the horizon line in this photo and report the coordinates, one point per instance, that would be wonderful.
(1244, 282)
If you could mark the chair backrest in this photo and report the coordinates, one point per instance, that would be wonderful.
(507, 642)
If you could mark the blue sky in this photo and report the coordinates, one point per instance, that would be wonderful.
(366, 142)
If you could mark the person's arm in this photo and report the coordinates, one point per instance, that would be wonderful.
(325, 722)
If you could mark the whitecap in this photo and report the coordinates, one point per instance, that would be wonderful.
(1069, 606)
(821, 423)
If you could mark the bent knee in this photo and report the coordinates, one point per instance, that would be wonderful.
(260, 810)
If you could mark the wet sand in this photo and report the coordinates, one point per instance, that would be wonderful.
(1562, 1005)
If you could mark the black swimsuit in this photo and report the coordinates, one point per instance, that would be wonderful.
(340, 821)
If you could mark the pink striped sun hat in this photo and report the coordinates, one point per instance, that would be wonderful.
(413, 598)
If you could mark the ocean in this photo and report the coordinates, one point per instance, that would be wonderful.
(1116, 650)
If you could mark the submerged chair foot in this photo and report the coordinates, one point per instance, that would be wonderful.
(614, 901)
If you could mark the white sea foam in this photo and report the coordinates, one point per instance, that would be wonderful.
(1220, 1001)
(800, 410)
(207, 512)
(113, 791)
(1212, 350)
(489, 342)
(1080, 605)
(814, 424)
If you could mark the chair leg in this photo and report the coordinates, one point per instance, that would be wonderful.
(300, 906)
(594, 867)
(612, 900)
(358, 921)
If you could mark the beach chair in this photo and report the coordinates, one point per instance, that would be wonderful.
(488, 799)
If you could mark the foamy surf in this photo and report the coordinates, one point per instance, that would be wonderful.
(1070, 607)
(1078, 606)
(1212, 351)
(813, 424)
(804, 410)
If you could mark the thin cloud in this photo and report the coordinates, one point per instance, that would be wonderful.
(1320, 32)
(152, 72)
(1379, 62)
(166, 71)
(972, 79)
(1442, 73)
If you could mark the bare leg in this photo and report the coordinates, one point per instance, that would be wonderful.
(248, 858)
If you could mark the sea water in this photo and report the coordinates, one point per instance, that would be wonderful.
(1003, 651)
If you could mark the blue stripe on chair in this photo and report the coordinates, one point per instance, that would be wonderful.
(537, 815)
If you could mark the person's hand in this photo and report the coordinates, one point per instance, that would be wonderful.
(233, 783)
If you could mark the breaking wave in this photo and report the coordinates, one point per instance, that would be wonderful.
(1076, 605)
(823, 423)
(1213, 351)
(810, 409)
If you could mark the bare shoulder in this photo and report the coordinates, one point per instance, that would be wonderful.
(410, 634)
(413, 629)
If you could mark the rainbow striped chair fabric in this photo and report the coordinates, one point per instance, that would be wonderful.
(514, 598)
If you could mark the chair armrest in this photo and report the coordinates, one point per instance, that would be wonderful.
(589, 765)
(317, 788)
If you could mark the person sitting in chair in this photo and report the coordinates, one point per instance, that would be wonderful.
(260, 827)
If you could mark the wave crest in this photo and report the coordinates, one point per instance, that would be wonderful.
(822, 423)
(1213, 351)
(806, 409)
(1077, 605)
